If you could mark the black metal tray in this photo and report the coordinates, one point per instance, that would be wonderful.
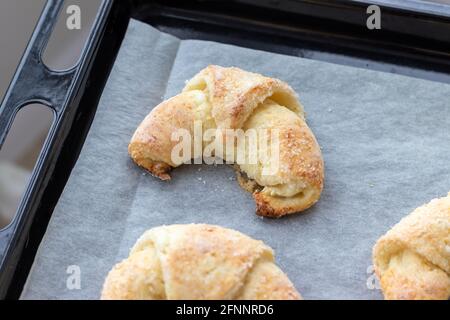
(415, 41)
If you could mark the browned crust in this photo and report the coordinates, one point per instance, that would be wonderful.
(397, 286)
(275, 207)
(247, 184)
(423, 235)
(198, 261)
(301, 153)
(158, 169)
(233, 94)
(151, 144)
(232, 97)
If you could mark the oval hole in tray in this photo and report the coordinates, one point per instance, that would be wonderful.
(19, 154)
(67, 41)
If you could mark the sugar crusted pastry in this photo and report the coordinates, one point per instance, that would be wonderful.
(230, 98)
(412, 260)
(197, 261)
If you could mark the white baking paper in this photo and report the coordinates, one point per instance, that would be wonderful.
(386, 145)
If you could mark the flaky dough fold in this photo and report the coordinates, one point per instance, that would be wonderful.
(230, 98)
(412, 260)
(198, 261)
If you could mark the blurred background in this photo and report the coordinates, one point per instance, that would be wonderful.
(30, 127)
(29, 130)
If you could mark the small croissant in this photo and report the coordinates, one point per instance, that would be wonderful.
(198, 262)
(231, 99)
(412, 260)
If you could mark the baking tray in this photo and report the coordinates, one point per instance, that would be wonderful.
(410, 42)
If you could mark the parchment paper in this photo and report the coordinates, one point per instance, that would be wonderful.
(386, 146)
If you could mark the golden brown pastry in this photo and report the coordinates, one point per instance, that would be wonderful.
(230, 98)
(412, 260)
(197, 261)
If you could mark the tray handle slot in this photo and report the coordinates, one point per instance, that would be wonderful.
(34, 82)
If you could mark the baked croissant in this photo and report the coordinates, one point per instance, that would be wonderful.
(197, 261)
(412, 260)
(230, 98)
